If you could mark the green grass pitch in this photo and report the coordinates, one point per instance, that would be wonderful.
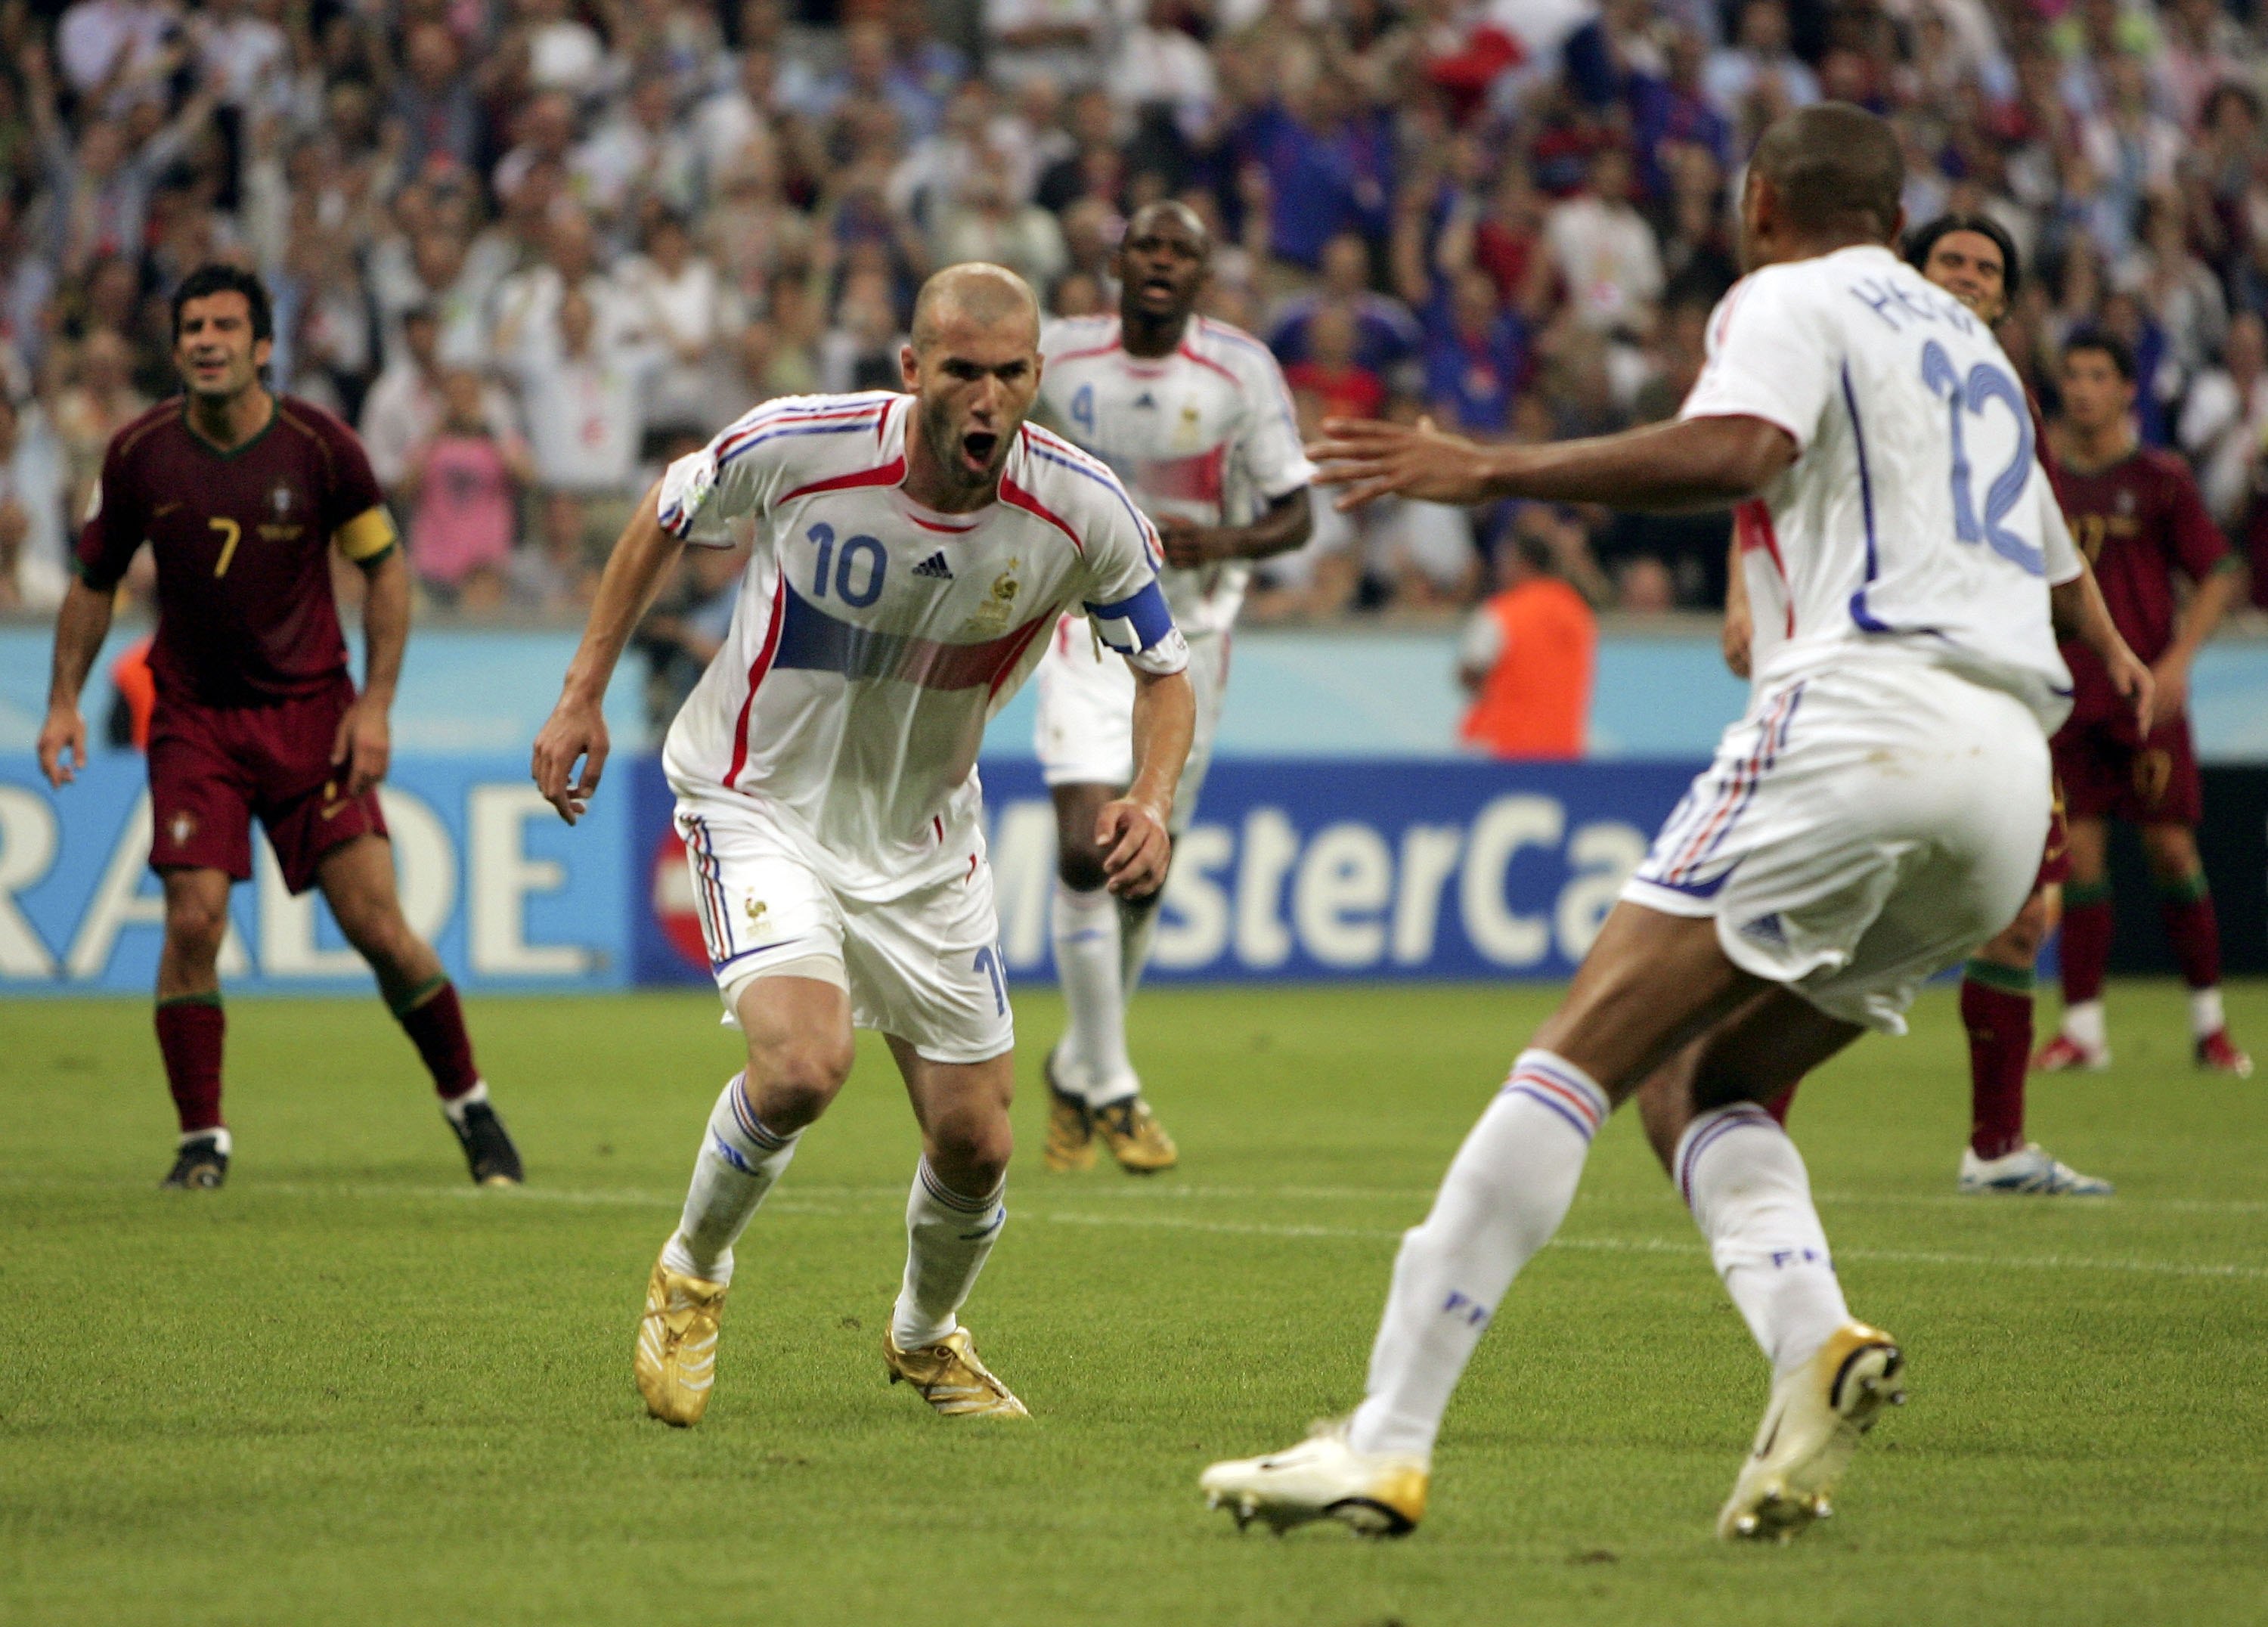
(350, 1388)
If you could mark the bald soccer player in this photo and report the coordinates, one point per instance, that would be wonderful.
(1877, 815)
(913, 555)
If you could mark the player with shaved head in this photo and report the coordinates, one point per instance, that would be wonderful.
(1193, 416)
(913, 553)
(1877, 815)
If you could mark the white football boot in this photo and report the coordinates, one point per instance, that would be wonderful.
(1373, 1493)
(1817, 1413)
(2031, 1170)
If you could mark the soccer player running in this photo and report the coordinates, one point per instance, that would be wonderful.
(1877, 815)
(913, 553)
(2138, 520)
(1193, 416)
(242, 495)
(1972, 258)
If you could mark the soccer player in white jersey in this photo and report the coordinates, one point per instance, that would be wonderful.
(1193, 416)
(913, 553)
(1877, 815)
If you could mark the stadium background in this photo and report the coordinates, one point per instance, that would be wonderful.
(536, 244)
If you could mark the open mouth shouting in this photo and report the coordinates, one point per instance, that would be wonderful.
(977, 447)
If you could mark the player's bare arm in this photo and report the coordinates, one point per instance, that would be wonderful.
(1691, 464)
(81, 624)
(577, 729)
(1286, 525)
(1739, 625)
(1130, 830)
(365, 746)
(2220, 589)
(2080, 612)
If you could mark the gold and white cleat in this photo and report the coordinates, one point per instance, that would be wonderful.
(1809, 1432)
(676, 1359)
(1135, 1138)
(1372, 1493)
(1071, 1131)
(949, 1375)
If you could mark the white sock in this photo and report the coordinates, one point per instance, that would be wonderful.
(453, 1106)
(2083, 1025)
(1137, 930)
(947, 1237)
(222, 1144)
(1745, 1182)
(739, 1161)
(1087, 961)
(1506, 1191)
(2205, 1015)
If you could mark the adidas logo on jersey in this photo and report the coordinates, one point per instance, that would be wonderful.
(934, 566)
(1766, 929)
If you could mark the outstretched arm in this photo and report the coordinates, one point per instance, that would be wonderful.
(81, 625)
(577, 728)
(1688, 464)
(1132, 830)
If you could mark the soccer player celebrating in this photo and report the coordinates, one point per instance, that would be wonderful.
(913, 553)
(1878, 814)
(242, 495)
(1972, 258)
(1193, 416)
(2139, 521)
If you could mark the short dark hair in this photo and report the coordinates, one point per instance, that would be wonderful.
(1835, 164)
(2105, 342)
(208, 280)
(1919, 244)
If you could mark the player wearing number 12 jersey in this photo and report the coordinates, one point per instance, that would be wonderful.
(1878, 813)
(913, 553)
(241, 495)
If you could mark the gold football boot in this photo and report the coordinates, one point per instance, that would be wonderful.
(1135, 1138)
(676, 1359)
(949, 1377)
(1071, 1131)
(1817, 1413)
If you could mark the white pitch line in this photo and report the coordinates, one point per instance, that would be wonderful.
(812, 1203)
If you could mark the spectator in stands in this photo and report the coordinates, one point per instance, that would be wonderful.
(1757, 78)
(462, 487)
(34, 566)
(552, 575)
(1528, 656)
(583, 393)
(1476, 355)
(1348, 389)
(1605, 252)
(404, 406)
(1388, 338)
(2224, 425)
(675, 298)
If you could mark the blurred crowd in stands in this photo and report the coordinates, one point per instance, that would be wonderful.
(532, 248)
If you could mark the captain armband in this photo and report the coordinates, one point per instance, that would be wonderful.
(1140, 628)
(368, 537)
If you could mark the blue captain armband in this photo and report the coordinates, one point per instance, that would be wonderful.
(1140, 628)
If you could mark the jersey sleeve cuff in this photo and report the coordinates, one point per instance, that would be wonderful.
(1736, 409)
(368, 537)
(94, 579)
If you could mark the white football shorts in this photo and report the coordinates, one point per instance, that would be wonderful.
(926, 966)
(1085, 732)
(1861, 830)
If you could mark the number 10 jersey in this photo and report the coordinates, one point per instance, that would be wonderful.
(874, 637)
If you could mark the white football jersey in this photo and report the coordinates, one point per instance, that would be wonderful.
(874, 637)
(1206, 433)
(1916, 516)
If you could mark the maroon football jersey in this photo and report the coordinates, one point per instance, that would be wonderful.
(2139, 522)
(241, 540)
